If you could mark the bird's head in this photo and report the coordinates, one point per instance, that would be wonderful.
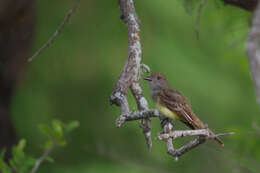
(157, 81)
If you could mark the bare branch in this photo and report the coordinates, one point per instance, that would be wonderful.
(203, 135)
(43, 157)
(129, 79)
(253, 51)
(167, 127)
(182, 133)
(57, 32)
(130, 74)
(192, 144)
(139, 115)
(132, 64)
(142, 106)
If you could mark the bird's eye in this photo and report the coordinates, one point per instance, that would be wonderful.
(158, 77)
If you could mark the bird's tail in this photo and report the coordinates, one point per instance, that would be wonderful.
(217, 139)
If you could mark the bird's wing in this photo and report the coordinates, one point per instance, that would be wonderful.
(177, 102)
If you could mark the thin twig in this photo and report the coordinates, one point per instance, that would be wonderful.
(58, 31)
(197, 24)
(43, 157)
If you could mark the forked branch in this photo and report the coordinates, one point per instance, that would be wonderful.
(132, 68)
(129, 78)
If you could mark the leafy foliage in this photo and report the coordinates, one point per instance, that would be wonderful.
(22, 162)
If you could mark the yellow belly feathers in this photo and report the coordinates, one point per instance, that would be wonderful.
(168, 113)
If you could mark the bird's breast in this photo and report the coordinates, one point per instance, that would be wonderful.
(167, 112)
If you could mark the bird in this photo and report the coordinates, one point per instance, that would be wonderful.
(173, 104)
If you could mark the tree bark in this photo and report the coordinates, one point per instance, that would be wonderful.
(17, 19)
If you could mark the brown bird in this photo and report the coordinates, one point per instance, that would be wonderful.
(173, 104)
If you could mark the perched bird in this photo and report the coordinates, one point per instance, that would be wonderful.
(173, 104)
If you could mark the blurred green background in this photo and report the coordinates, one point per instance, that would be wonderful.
(74, 77)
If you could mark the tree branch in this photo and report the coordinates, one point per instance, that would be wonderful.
(43, 157)
(138, 115)
(130, 74)
(203, 135)
(253, 51)
(57, 32)
(129, 79)
(142, 106)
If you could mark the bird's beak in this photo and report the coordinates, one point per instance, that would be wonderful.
(148, 78)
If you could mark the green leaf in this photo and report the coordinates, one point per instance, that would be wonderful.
(71, 126)
(61, 142)
(25, 165)
(48, 144)
(18, 153)
(21, 145)
(46, 130)
(49, 159)
(2, 154)
(189, 6)
(57, 127)
(4, 168)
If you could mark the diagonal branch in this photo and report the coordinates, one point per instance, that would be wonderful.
(43, 157)
(57, 32)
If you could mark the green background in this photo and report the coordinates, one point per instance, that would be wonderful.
(74, 77)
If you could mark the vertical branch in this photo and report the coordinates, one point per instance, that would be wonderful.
(129, 76)
(142, 106)
(253, 51)
(167, 127)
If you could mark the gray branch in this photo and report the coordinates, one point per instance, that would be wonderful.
(182, 133)
(129, 79)
(43, 157)
(142, 106)
(130, 74)
(137, 115)
(203, 135)
(253, 51)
